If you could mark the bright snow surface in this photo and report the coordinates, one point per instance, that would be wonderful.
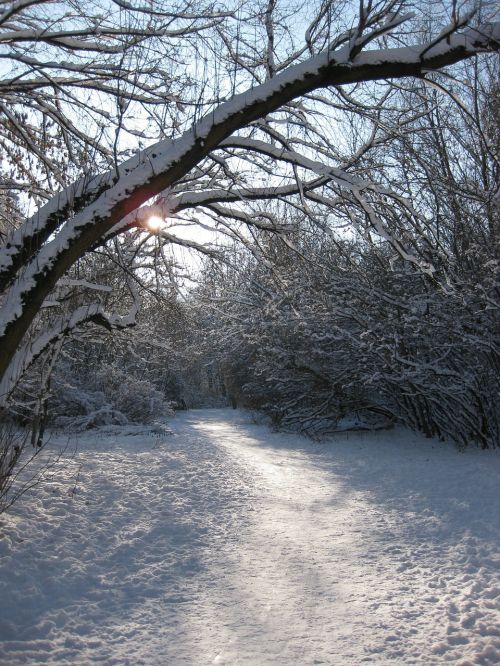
(224, 543)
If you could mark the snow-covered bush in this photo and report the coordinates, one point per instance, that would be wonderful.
(137, 398)
(102, 416)
(365, 339)
(110, 396)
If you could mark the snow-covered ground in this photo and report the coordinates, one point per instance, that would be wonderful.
(227, 544)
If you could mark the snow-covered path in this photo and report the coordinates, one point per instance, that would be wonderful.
(228, 544)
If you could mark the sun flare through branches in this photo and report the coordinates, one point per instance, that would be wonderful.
(155, 224)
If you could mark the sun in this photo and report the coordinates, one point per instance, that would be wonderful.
(155, 223)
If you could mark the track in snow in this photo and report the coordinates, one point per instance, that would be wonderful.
(228, 544)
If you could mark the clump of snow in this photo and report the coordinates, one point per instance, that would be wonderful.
(224, 543)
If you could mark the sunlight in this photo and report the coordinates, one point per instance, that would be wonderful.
(155, 224)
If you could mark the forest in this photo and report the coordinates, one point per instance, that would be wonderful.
(249, 332)
(283, 206)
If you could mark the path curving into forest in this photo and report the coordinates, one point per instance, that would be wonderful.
(225, 543)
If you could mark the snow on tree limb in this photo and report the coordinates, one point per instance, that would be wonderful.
(63, 327)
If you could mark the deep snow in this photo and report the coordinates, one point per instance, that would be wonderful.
(227, 544)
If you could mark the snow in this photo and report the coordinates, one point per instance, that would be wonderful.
(225, 543)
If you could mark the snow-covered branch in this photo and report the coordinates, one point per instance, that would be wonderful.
(63, 327)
